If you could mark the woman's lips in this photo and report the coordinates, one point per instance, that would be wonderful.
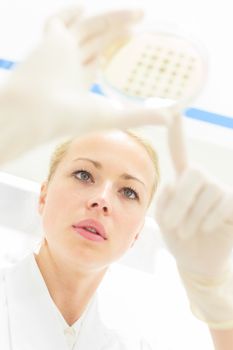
(88, 235)
(92, 225)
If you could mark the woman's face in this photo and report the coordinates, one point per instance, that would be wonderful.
(106, 177)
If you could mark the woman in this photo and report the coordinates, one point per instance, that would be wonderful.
(93, 207)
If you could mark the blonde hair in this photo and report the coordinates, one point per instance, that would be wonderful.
(61, 150)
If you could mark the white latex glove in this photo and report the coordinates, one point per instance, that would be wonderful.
(47, 95)
(195, 215)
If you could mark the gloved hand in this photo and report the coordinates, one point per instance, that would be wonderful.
(195, 215)
(47, 95)
(66, 60)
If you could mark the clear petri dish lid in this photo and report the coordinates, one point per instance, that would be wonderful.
(156, 62)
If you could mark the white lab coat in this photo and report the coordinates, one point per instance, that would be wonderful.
(28, 316)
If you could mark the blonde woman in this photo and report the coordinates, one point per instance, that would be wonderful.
(93, 206)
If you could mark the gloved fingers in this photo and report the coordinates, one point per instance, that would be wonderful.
(138, 116)
(223, 213)
(67, 17)
(71, 15)
(205, 203)
(88, 111)
(88, 56)
(176, 143)
(97, 46)
(103, 113)
(163, 198)
(88, 74)
(190, 183)
(227, 230)
(133, 116)
(100, 24)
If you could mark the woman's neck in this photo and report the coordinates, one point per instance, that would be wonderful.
(70, 290)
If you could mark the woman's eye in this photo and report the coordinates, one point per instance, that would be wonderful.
(82, 175)
(130, 193)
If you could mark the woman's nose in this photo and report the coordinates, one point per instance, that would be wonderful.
(101, 201)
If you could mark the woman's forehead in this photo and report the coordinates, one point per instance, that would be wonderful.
(113, 147)
(104, 136)
(105, 143)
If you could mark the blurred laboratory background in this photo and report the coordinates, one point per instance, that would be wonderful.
(160, 300)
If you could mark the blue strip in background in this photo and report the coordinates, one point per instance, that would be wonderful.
(192, 113)
(209, 117)
(5, 64)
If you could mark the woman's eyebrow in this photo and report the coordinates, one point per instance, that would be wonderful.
(98, 165)
(131, 177)
(94, 162)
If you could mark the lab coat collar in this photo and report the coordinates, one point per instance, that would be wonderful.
(93, 334)
(32, 314)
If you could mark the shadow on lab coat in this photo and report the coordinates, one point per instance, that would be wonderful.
(29, 320)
